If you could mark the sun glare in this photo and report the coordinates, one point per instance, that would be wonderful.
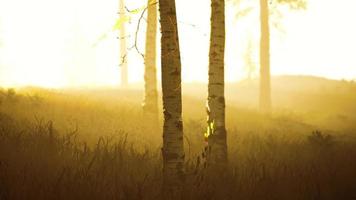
(56, 43)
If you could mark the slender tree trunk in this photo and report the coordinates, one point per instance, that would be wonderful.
(123, 49)
(173, 151)
(216, 133)
(150, 104)
(265, 77)
(250, 65)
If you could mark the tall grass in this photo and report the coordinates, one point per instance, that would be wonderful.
(56, 145)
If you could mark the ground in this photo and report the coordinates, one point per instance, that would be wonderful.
(97, 144)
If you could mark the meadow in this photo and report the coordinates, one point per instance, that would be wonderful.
(97, 144)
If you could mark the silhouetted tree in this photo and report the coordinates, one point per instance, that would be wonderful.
(173, 151)
(265, 76)
(250, 65)
(150, 104)
(1, 42)
(216, 131)
(123, 49)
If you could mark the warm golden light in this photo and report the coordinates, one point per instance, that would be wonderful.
(55, 43)
(254, 99)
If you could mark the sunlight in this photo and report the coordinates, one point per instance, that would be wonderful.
(56, 43)
(270, 114)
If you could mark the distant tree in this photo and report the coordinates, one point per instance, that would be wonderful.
(216, 131)
(173, 150)
(1, 42)
(250, 64)
(123, 48)
(267, 8)
(150, 104)
(265, 74)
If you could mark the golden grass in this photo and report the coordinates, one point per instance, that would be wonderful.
(101, 147)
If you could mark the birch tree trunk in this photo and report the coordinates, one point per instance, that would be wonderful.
(150, 104)
(265, 77)
(123, 48)
(216, 133)
(173, 151)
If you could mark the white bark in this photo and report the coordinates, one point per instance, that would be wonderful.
(216, 100)
(173, 151)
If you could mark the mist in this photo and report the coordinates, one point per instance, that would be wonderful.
(172, 100)
(72, 43)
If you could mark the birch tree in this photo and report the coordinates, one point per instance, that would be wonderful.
(267, 9)
(150, 104)
(173, 150)
(216, 131)
(123, 46)
(265, 73)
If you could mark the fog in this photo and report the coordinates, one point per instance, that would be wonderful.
(65, 43)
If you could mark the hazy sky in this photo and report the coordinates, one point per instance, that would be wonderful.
(54, 43)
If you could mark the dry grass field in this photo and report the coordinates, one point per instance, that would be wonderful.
(96, 144)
